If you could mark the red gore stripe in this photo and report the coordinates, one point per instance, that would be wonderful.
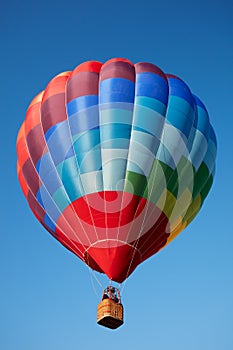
(119, 209)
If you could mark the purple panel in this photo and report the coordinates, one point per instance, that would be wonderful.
(81, 84)
(35, 206)
(31, 176)
(53, 111)
(118, 70)
(36, 143)
(143, 67)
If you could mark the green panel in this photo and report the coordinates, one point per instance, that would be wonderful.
(168, 204)
(136, 184)
(201, 177)
(193, 209)
(171, 178)
(162, 178)
(206, 188)
(186, 176)
(192, 216)
(157, 182)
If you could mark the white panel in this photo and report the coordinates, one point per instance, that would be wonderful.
(198, 150)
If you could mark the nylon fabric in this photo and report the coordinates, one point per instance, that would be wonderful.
(115, 160)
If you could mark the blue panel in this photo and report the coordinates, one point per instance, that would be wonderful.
(84, 120)
(199, 103)
(81, 103)
(152, 85)
(73, 187)
(116, 90)
(178, 88)
(84, 142)
(44, 165)
(59, 142)
(48, 173)
(48, 222)
(212, 135)
(70, 175)
(164, 156)
(47, 203)
(114, 131)
(137, 128)
(147, 120)
(122, 106)
(182, 106)
(61, 199)
(199, 148)
(68, 166)
(151, 103)
(39, 198)
(146, 140)
(70, 153)
(116, 112)
(50, 131)
(203, 124)
(119, 143)
(195, 120)
(179, 121)
(89, 161)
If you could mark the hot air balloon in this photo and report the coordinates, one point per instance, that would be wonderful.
(115, 160)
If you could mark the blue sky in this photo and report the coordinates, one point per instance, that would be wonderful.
(182, 297)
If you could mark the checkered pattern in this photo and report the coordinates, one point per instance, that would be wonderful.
(115, 160)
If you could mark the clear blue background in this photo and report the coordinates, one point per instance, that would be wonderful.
(183, 297)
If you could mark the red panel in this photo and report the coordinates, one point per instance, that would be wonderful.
(38, 211)
(113, 60)
(108, 225)
(173, 76)
(22, 181)
(22, 151)
(116, 262)
(56, 85)
(82, 84)
(154, 239)
(89, 66)
(120, 261)
(143, 67)
(21, 132)
(118, 68)
(72, 226)
(75, 247)
(32, 116)
(36, 99)
(93, 210)
(31, 176)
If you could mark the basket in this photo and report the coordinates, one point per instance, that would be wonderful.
(110, 314)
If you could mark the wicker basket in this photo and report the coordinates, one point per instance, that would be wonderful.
(110, 314)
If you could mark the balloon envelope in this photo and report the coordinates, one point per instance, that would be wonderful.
(115, 160)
